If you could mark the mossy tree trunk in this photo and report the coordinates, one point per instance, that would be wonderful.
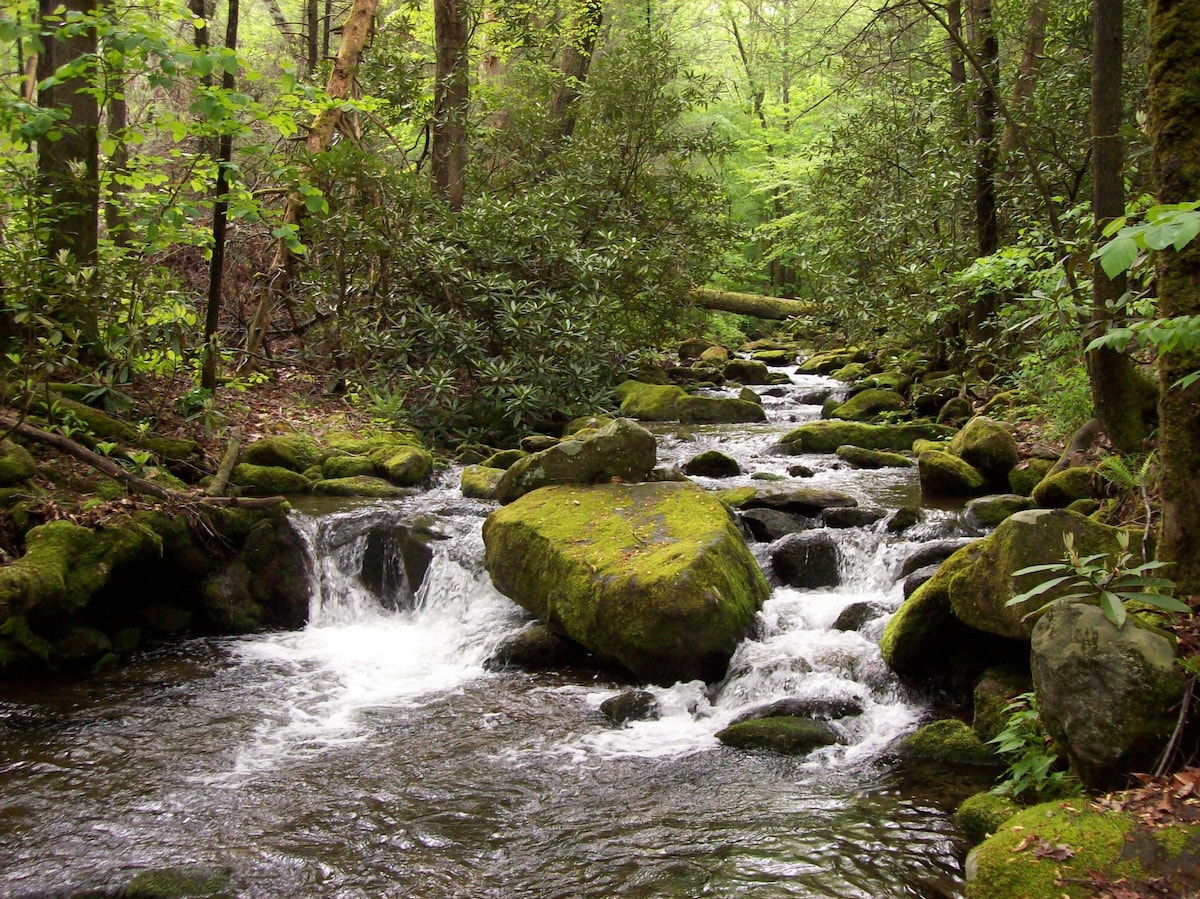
(981, 30)
(1175, 134)
(451, 94)
(1123, 397)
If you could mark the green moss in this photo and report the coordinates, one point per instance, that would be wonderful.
(267, 480)
(17, 630)
(648, 402)
(375, 488)
(948, 740)
(480, 482)
(831, 361)
(1028, 475)
(868, 404)
(788, 735)
(943, 474)
(654, 577)
(827, 436)
(982, 815)
(407, 466)
(865, 458)
(505, 459)
(181, 883)
(736, 497)
(996, 689)
(16, 464)
(889, 380)
(988, 447)
(1065, 487)
(747, 371)
(338, 466)
(716, 410)
(295, 452)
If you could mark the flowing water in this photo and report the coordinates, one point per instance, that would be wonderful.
(374, 754)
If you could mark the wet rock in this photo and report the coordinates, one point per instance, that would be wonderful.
(791, 736)
(805, 501)
(852, 517)
(184, 882)
(949, 741)
(374, 488)
(801, 471)
(919, 577)
(1107, 694)
(480, 482)
(775, 392)
(903, 519)
(712, 464)
(747, 371)
(868, 404)
(807, 560)
(746, 395)
(540, 648)
(827, 436)
(792, 707)
(931, 553)
(648, 402)
(667, 473)
(653, 577)
(989, 511)
(767, 525)
(623, 451)
(632, 705)
(865, 458)
(857, 614)
(395, 561)
(815, 397)
(717, 410)
(944, 474)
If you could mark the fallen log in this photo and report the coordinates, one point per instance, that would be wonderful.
(751, 304)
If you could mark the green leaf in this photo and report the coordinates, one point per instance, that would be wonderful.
(1034, 569)
(1117, 256)
(1167, 603)
(1113, 608)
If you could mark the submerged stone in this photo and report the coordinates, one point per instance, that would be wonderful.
(788, 735)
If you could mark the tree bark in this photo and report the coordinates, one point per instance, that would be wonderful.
(1123, 398)
(1027, 73)
(216, 265)
(1174, 125)
(753, 305)
(312, 32)
(276, 281)
(576, 60)
(982, 33)
(450, 98)
(69, 167)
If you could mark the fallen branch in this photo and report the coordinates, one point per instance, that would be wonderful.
(751, 304)
(132, 482)
(225, 469)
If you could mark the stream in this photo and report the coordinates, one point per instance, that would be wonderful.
(375, 754)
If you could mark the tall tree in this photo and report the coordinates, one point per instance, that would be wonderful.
(1174, 125)
(1027, 73)
(451, 94)
(583, 29)
(68, 157)
(981, 28)
(1124, 400)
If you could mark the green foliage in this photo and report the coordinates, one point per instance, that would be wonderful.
(1111, 580)
(1034, 771)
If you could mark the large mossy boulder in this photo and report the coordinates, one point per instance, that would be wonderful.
(712, 464)
(1107, 694)
(783, 734)
(365, 486)
(406, 466)
(982, 815)
(827, 436)
(480, 482)
(717, 410)
(989, 511)
(832, 360)
(1064, 849)
(866, 458)
(16, 464)
(653, 577)
(267, 480)
(1028, 474)
(945, 474)
(982, 582)
(1060, 489)
(869, 404)
(949, 741)
(988, 447)
(648, 402)
(295, 452)
(622, 451)
(747, 371)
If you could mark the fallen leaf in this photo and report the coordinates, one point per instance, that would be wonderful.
(1059, 853)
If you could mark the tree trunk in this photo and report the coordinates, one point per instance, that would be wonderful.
(1175, 135)
(982, 32)
(576, 60)
(116, 121)
(216, 266)
(1123, 398)
(313, 33)
(68, 168)
(1027, 74)
(751, 304)
(450, 97)
(276, 281)
(958, 64)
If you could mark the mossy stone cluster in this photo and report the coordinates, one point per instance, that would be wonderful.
(868, 404)
(826, 436)
(982, 815)
(653, 577)
(339, 465)
(978, 459)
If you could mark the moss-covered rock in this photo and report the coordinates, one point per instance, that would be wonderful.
(630, 705)
(294, 451)
(267, 480)
(505, 459)
(806, 501)
(1058, 490)
(955, 410)
(888, 380)
(783, 734)
(363, 485)
(868, 404)
(827, 436)
(850, 373)
(1077, 841)
(988, 446)
(996, 690)
(831, 361)
(102, 426)
(189, 882)
(989, 511)
(480, 482)
(337, 466)
(982, 815)
(1107, 694)
(653, 577)
(649, 402)
(715, 355)
(535, 443)
(623, 451)
(865, 458)
(586, 422)
(16, 464)
(1027, 475)
(951, 741)
(944, 474)
(407, 466)
(775, 358)
(717, 410)
(712, 464)
(746, 395)
(747, 371)
(979, 591)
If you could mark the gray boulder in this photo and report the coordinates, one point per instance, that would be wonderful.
(808, 559)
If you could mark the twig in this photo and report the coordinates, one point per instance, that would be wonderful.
(221, 481)
(1189, 689)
